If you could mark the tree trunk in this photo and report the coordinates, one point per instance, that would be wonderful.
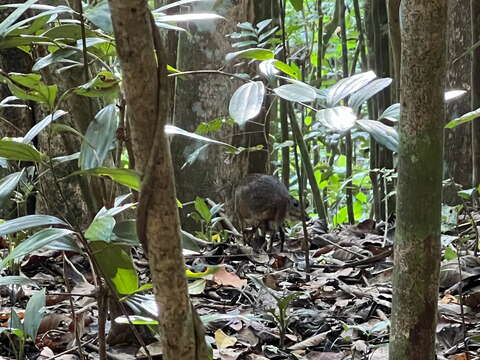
(201, 98)
(458, 162)
(417, 242)
(148, 93)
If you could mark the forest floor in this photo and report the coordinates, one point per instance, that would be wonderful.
(259, 306)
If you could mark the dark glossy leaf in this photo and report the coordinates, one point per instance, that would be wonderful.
(127, 177)
(246, 102)
(35, 242)
(12, 150)
(383, 134)
(117, 265)
(125, 232)
(29, 221)
(101, 135)
(34, 313)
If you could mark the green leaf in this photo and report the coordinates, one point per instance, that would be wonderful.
(202, 208)
(35, 130)
(27, 222)
(197, 287)
(67, 31)
(449, 254)
(467, 193)
(14, 16)
(391, 113)
(125, 232)
(383, 134)
(338, 119)
(246, 102)
(12, 150)
(287, 69)
(16, 280)
(296, 92)
(472, 115)
(136, 320)
(23, 40)
(348, 86)
(36, 88)
(104, 84)
(35, 242)
(101, 135)
(59, 56)
(173, 130)
(126, 177)
(34, 313)
(116, 264)
(7, 185)
(100, 16)
(297, 4)
(101, 229)
(256, 54)
(358, 98)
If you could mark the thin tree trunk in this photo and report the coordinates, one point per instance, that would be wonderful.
(148, 92)
(417, 241)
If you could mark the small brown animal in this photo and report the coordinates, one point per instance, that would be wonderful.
(264, 202)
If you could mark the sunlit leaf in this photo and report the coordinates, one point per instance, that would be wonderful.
(37, 241)
(246, 102)
(348, 86)
(256, 54)
(391, 113)
(472, 115)
(13, 150)
(383, 134)
(101, 229)
(359, 97)
(296, 92)
(35, 130)
(173, 130)
(127, 177)
(7, 185)
(27, 222)
(337, 119)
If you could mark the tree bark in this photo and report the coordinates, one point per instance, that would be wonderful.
(458, 162)
(417, 242)
(148, 92)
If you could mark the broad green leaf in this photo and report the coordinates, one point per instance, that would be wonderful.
(297, 4)
(125, 232)
(338, 119)
(296, 92)
(23, 40)
(104, 84)
(35, 242)
(116, 264)
(127, 177)
(359, 97)
(100, 134)
(450, 254)
(34, 313)
(383, 134)
(246, 102)
(101, 229)
(256, 54)
(42, 125)
(467, 193)
(27, 222)
(16, 280)
(348, 86)
(472, 115)
(7, 185)
(202, 208)
(287, 69)
(67, 31)
(36, 88)
(12, 150)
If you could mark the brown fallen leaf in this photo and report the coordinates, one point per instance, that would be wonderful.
(224, 277)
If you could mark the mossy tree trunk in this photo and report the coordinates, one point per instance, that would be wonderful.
(417, 242)
(147, 89)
